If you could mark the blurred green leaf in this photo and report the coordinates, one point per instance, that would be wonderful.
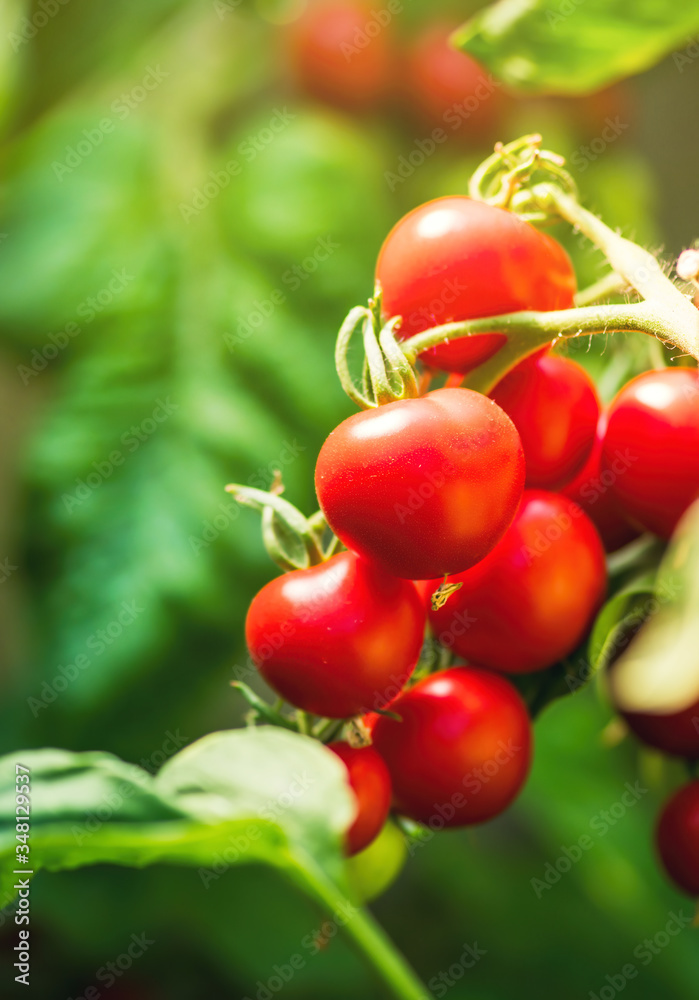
(660, 670)
(576, 46)
(619, 620)
(262, 795)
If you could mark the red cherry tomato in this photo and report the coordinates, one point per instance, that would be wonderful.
(338, 638)
(553, 404)
(371, 783)
(341, 54)
(463, 748)
(530, 602)
(651, 448)
(676, 733)
(423, 486)
(590, 489)
(449, 88)
(455, 259)
(678, 838)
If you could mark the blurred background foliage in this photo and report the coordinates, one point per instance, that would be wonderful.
(159, 340)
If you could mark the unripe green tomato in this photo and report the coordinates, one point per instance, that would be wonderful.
(377, 867)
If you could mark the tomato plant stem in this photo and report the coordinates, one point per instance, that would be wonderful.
(370, 939)
(637, 266)
(528, 331)
(608, 285)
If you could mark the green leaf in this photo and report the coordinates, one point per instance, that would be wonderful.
(660, 670)
(572, 47)
(619, 620)
(269, 774)
(262, 795)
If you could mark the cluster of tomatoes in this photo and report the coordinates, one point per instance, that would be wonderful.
(484, 519)
(351, 55)
(363, 58)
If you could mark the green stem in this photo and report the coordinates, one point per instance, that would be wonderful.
(528, 331)
(267, 712)
(642, 271)
(327, 729)
(304, 722)
(370, 939)
(610, 284)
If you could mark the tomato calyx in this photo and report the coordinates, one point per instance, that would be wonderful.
(292, 540)
(387, 374)
(504, 178)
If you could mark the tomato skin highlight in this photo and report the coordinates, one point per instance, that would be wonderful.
(553, 403)
(423, 486)
(531, 600)
(462, 751)
(371, 783)
(653, 428)
(675, 733)
(338, 638)
(592, 493)
(328, 64)
(454, 258)
(677, 838)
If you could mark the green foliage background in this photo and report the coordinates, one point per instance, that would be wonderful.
(246, 391)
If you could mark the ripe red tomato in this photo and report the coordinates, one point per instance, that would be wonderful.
(678, 838)
(653, 431)
(463, 748)
(341, 54)
(553, 404)
(676, 733)
(530, 602)
(590, 489)
(449, 88)
(455, 259)
(371, 783)
(423, 486)
(338, 638)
